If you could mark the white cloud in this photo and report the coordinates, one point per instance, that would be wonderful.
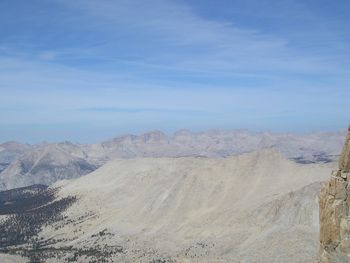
(162, 55)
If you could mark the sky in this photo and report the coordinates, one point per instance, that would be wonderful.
(88, 70)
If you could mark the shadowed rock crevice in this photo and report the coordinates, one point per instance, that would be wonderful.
(334, 212)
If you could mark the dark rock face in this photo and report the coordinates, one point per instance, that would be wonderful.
(334, 212)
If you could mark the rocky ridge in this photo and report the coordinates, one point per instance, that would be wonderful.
(334, 212)
(235, 209)
(188, 209)
(45, 163)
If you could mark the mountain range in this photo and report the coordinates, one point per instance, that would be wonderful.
(45, 163)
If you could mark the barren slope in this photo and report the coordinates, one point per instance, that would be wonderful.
(249, 208)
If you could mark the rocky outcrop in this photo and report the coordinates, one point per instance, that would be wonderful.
(334, 212)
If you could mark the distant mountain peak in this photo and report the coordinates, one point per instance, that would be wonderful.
(183, 132)
(13, 145)
(46, 162)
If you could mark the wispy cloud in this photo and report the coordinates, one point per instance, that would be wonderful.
(170, 34)
(171, 63)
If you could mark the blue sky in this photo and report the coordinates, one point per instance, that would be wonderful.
(87, 70)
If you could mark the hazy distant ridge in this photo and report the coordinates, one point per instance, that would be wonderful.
(45, 163)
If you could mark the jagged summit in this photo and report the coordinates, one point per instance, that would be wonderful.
(334, 212)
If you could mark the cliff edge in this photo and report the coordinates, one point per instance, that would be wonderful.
(334, 212)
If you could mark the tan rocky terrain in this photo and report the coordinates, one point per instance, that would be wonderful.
(334, 212)
(256, 207)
